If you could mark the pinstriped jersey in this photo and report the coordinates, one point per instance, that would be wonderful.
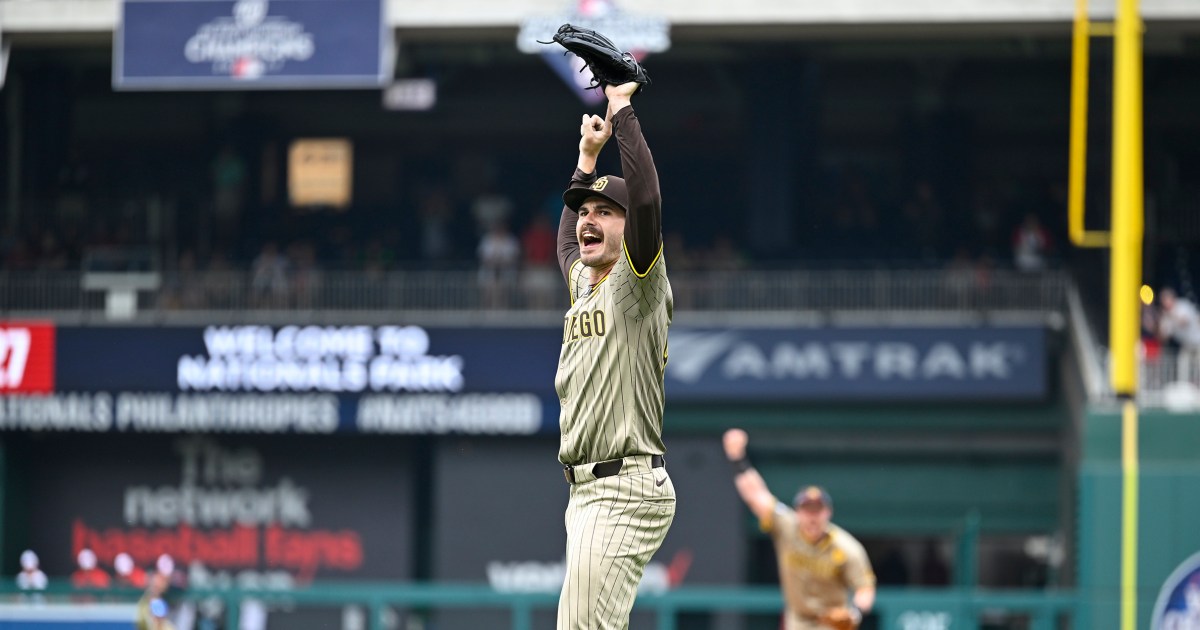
(610, 369)
(816, 577)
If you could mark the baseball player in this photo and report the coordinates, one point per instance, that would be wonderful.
(819, 562)
(610, 372)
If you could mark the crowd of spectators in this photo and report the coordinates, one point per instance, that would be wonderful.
(284, 252)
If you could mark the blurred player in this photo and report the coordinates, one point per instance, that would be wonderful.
(819, 562)
(152, 609)
(610, 372)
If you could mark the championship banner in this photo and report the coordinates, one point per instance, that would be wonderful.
(261, 512)
(251, 44)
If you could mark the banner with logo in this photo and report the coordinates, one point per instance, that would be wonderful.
(289, 379)
(1178, 603)
(248, 44)
(859, 364)
(252, 511)
(406, 379)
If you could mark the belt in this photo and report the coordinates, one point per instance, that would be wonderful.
(599, 470)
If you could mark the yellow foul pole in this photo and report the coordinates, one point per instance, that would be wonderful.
(1125, 279)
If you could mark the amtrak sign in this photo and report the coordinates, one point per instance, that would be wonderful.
(857, 364)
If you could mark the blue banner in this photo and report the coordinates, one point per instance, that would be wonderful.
(249, 44)
(417, 380)
(856, 364)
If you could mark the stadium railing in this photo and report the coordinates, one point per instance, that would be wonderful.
(218, 294)
(895, 609)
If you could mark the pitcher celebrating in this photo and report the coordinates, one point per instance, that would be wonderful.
(610, 372)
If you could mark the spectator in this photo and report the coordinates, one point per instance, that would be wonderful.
(269, 277)
(540, 277)
(88, 575)
(1179, 323)
(1031, 244)
(489, 209)
(306, 274)
(436, 214)
(31, 577)
(499, 254)
(129, 574)
(184, 289)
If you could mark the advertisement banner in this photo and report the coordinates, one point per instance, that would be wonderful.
(289, 379)
(230, 511)
(406, 379)
(859, 364)
(249, 44)
(26, 357)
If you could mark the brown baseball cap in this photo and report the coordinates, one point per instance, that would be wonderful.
(610, 187)
(812, 495)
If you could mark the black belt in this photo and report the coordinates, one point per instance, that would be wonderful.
(610, 467)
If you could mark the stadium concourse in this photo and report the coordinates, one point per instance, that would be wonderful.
(280, 310)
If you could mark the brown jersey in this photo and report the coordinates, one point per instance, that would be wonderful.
(816, 577)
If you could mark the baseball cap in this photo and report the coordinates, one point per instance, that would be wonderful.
(812, 495)
(610, 187)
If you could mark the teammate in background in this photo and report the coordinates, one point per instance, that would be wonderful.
(819, 562)
(152, 609)
(31, 577)
(129, 574)
(88, 575)
(610, 372)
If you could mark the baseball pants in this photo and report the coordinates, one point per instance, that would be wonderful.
(614, 526)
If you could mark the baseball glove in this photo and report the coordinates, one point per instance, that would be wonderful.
(842, 618)
(609, 65)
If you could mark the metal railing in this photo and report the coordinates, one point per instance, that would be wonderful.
(1168, 379)
(915, 291)
(895, 609)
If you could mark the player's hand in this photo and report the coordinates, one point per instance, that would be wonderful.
(735, 441)
(842, 618)
(621, 92)
(594, 131)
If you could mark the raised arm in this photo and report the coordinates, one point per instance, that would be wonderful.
(593, 133)
(750, 484)
(643, 220)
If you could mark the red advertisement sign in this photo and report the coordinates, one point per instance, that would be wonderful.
(26, 357)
